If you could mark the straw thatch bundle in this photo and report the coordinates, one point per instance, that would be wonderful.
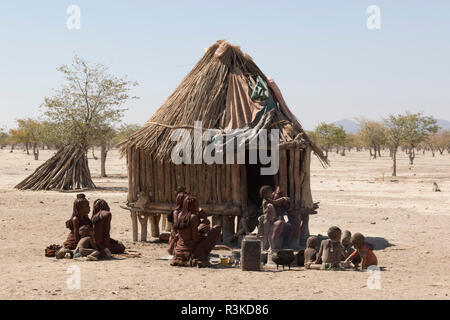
(67, 170)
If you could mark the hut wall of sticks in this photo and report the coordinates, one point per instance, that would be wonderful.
(227, 92)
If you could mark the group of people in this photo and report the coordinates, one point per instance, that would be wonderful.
(192, 237)
(340, 250)
(90, 237)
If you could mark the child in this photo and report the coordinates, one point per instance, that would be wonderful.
(86, 246)
(330, 251)
(346, 244)
(363, 250)
(310, 251)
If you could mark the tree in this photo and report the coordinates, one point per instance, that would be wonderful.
(373, 136)
(105, 140)
(417, 129)
(328, 136)
(436, 141)
(395, 133)
(340, 139)
(90, 100)
(28, 133)
(125, 131)
(4, 138)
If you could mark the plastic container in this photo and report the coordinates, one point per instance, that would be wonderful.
(251, 254)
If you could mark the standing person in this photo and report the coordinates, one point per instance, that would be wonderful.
(79, 218)
(191, 246)
(272, 227)
(101, 219)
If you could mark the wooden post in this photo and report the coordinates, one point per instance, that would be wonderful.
(130, 173)
(134, 224)
(164, 221)
(307, 201)
(236, 184)
(217, 221)
(143, 219)
(291, 177)
(244, 199)
(283, 173)
(150, 183)
(154, 224)
(226, 229)
(228, 183)
(136, 174)
(298, 187)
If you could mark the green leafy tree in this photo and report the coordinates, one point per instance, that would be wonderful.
(4, 138)
(124, 132)
(88, 106)
(90, 100)
(373, 136)
(417, 129)
(340, 139)
(395, 133)
(328, 136)
(28, 133)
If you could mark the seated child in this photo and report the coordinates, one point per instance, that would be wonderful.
(347, 248)
(363, 250)
(330, 251)
(310, 251)
(86, 246)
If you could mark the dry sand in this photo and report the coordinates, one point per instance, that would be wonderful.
(414, 220)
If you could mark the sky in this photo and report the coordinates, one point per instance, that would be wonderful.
(327, 62)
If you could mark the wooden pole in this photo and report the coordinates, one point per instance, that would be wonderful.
(298, 188)
(283, 172)
(143, 220)
(134, 224)
(291, 177)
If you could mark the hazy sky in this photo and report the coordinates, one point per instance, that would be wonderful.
(328, 64)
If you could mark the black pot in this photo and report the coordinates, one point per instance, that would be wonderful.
(283, 257)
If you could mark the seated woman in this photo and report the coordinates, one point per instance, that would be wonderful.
(181, 195)
(79, 218)
(192, 246)
(101, 219)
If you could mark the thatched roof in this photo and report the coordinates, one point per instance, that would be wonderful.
(205, 94)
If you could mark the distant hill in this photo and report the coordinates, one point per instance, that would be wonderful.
(349, 126)
(443, 124)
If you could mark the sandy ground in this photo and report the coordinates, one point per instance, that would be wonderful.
(406, 220)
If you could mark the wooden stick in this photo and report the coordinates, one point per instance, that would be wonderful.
(283, 172)
(134, 224)
(297, 181)
(292, 177)
(143, 219)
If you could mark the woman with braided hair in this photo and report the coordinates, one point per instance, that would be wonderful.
(192, 246)
(101, 219)
(181, 195)
(79, 218)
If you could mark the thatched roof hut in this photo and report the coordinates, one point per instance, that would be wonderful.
(220, 91)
